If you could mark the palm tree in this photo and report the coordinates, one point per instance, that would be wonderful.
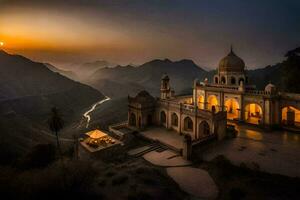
(56, 124)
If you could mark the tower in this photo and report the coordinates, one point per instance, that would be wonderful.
(165, 90)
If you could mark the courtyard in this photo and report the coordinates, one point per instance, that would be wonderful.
(167, 137)
(275, 152)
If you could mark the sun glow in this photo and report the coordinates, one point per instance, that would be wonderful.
(1, 44)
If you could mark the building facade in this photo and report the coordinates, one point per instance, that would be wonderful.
(177, 113)
(205, 113)
(231, 92)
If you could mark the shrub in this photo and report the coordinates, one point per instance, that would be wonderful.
(39, 157)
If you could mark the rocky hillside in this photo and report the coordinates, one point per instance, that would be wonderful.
(66, 73)
(28, 91)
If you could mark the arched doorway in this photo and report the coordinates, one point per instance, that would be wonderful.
(188, 124)
(232, 108)
(233, 81)
(140, 122)
(163, 118)
(241, 80)
(290, 116)
(223, 80)
(174, 119)
(201, 102)
(216, 80)
(149, 120)
(132, 119)
(204, 129)
(212, 101)
(253, 113)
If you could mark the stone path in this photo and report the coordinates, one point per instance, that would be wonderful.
(166, 159)
(165, 136)
(138, 150)
(194, 181)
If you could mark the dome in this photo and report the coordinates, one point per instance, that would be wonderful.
(270, 88)
(143, 93)
(231, 63)
(143, 98)
(165, 77)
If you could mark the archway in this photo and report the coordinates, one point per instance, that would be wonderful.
(233, 81)
(232, 108)
(253, 113)
(132, 119)
(216, 80)
(204, 129)
(241, 80)
(290, 116)
(212, 101)
(188, 124)
(201, 102)
(149, 120)
(174, 119)
(223, 80)
(163, 118)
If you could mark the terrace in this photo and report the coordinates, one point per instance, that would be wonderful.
(97, 140)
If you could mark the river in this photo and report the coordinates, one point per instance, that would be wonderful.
(87, 113)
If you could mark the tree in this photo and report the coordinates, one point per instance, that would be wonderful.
(56, 124)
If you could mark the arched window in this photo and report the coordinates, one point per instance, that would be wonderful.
(216, 80)
(132, 120)
(163, 118)
(241, 80)
(204, 129)
(174, 119)
(188, 124)
(223, 80)
(233, 81)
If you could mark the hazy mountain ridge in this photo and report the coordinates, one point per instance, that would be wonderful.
(148, 75)
(121, 80)
(85, 70)
(67, 73)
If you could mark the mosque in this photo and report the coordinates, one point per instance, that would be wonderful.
(205, 113)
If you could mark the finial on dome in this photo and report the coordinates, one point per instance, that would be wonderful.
(231, 48)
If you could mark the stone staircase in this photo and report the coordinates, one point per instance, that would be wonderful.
(138, 152)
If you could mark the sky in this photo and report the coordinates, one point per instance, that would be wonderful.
(136, 31)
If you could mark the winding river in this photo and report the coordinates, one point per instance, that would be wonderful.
(87, 113)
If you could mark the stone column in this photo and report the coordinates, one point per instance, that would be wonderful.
(187, 147)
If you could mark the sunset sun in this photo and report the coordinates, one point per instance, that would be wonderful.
(1, 43)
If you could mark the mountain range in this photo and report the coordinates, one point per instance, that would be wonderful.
(120, 81)
(28, 91)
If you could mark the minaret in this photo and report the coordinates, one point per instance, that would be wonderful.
(165, 90)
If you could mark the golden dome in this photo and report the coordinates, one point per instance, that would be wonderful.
(231, 63)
